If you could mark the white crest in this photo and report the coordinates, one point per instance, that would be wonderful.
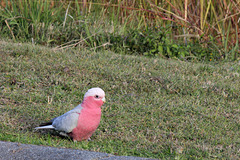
(95, 91)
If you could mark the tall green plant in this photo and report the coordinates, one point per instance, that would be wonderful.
(98, 22)
(30, 19)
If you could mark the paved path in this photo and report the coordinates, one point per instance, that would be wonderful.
(17, 151)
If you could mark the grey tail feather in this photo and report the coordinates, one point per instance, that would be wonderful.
(45, 127)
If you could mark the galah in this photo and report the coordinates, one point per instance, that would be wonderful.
(82, 121)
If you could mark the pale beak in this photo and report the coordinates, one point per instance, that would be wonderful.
(103, 99)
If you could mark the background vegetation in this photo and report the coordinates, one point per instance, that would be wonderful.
(185, 29)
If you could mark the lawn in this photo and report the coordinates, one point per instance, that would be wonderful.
(156, 108)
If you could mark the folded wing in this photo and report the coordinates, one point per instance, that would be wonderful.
(64, 123)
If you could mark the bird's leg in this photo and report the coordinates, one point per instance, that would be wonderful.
(63, 134)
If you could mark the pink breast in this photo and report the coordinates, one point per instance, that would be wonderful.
(88, 122)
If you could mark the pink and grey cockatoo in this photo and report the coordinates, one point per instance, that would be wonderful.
(82, 121)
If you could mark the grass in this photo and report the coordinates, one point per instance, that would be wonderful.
(155, 108)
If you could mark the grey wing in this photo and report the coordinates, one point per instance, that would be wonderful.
(68, 121)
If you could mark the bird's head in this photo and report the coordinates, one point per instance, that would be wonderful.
(95, 97)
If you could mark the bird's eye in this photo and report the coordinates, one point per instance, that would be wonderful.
(96, 96)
